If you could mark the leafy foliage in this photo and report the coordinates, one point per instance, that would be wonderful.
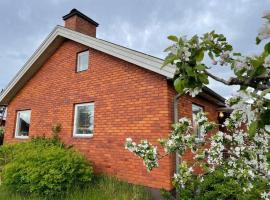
(218, 186)
(243, 149)
(44, 168)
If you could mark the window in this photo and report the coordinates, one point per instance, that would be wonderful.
(23, 124)
(196, 109)
(82, 61)
(84, 120)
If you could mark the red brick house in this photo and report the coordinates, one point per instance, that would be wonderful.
(101, 93)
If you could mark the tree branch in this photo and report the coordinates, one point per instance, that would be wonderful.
(251, 82)
(216, 78)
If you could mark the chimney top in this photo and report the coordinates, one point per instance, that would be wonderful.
(74, 12)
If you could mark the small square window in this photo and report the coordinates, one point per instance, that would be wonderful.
(84, 120)
(23, 124)
(82, 61)
(195, 110)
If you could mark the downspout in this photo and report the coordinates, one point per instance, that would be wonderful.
(175, 120)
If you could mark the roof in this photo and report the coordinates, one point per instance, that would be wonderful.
(57, 37)
(76, 12)
(212, 96)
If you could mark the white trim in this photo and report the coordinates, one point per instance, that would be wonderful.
(198, 131)
(17, 123)
(148, 62)
(75, 120)
(84, 53)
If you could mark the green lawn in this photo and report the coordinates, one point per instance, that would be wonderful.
(102, 188)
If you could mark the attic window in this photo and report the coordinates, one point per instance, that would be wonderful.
(82, 61)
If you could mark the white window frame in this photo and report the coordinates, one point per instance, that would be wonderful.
(78, 60)
(75, 120)
(198, 134)
(17, 124)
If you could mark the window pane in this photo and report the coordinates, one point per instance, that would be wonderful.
(195, 110)
(84, 119)
(82, 61)
(23, 123)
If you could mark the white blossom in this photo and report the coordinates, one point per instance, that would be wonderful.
(265, 195)
(264, 32)
(267, 128)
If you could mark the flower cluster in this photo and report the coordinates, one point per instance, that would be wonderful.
(183, 176)
(264, 32)
(145, 151)
(179, 138)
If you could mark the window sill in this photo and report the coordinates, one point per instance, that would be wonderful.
(199, 140)
(83, 136)
(81, 71)
(22, 137)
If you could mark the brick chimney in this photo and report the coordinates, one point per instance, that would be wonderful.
(77, 21)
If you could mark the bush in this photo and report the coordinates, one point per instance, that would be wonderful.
(43, 167)
(217, 186)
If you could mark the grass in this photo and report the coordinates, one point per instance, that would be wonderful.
(102, 188)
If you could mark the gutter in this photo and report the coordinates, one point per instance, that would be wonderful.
(175, 120)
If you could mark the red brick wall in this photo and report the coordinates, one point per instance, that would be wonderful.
(129, 102)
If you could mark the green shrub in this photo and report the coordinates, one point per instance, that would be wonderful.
(43, 167)
(217, 186)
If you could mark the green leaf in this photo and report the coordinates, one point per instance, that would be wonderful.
(190, 71)
(237, 54)
(259, 71)
(167, 49)
(210, 54)
(169, 60)
(265, 117)
(255, 63)
(258, 41)
(203, 78)
(173, 38)
(267, 48)
(199, 56)
(252, 128)
(200, 67)
(179, 85)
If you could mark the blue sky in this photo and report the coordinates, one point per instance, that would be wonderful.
(142, 25)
